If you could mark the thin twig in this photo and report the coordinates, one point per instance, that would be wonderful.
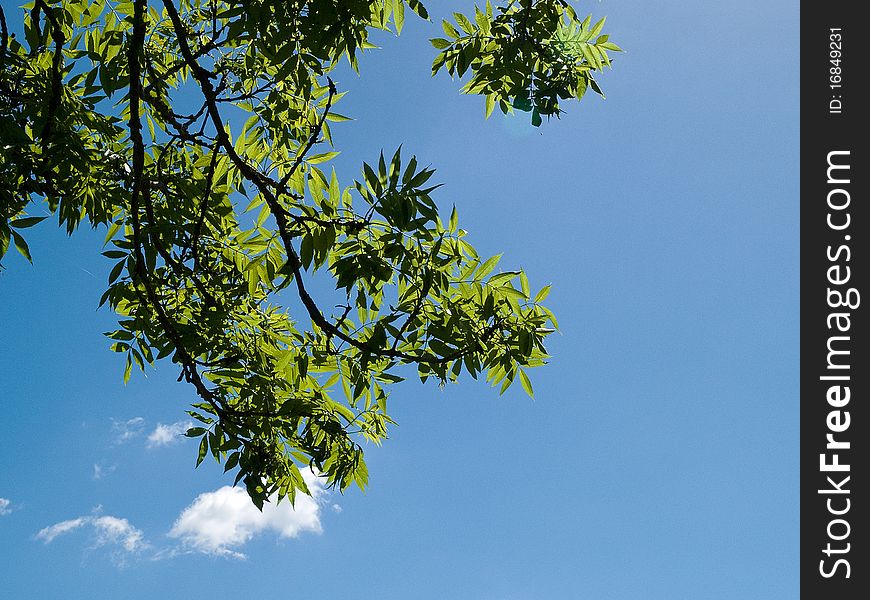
(312, 139)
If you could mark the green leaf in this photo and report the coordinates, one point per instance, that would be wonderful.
(321, 158)
(399, 14)
(4, 240)
(596, 29)
(527, 384)
(487, 267)
(522, 103)
(418, 8)
(232, 462)
(463, 22)
(542, 295)
(449, 30)
(594, 85)
(502, 278)
(26, 222)
(21, 246)
(490, 104)
(505, 385)
(524, 284)
(116, 271)
(482, 22)
(113, 229)
(203, 450)
(284, 361)
(513, 293)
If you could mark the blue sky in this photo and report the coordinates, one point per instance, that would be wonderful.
(659, 459)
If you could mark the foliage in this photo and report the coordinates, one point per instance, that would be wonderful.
(213, 228)
(528, 56)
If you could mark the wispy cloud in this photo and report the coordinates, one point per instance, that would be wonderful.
(114, 532)
(222, 521)
(164, 435)
(101, 469)
(127, 430)
(5, 506)
(47, 534)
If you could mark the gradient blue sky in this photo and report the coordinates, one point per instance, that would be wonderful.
(660, 457)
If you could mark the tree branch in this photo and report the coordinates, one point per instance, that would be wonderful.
(312, 138)
(56, 70)
(265, 186)
(140, 270)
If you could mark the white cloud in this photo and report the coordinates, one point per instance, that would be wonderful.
(47, 534)
(219, 522)
(164, 435)
(127, 430)
(102, 469)
(108, 530)
(112, 530)
(5, 506)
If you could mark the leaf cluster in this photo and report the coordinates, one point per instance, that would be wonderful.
(525, 55)
(198, 133)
